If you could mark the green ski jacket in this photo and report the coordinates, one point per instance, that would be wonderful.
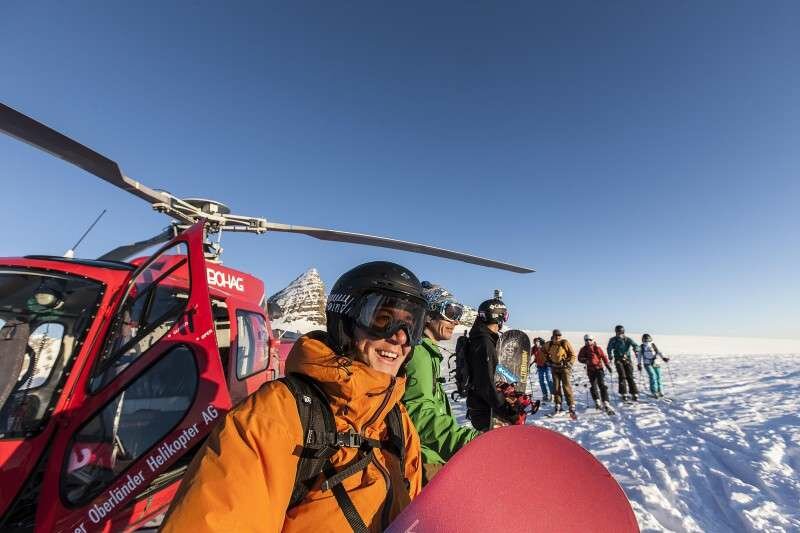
(618, 348)
(439, 433)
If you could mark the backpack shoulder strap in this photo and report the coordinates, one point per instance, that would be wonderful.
(397, 441)
(317, 422)
(321, 441)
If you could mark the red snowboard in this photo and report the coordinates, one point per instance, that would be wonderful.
(520, 478)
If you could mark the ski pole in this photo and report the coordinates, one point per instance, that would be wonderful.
(671, 383)
(613, 387)
(530, 381)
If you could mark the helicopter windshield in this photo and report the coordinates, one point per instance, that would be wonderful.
(156, 298)
(43, 320)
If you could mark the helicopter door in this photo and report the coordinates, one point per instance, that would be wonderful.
(148, 402)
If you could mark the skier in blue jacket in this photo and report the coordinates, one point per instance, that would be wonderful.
(619, 348)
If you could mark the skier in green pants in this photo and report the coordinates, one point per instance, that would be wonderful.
(440, 435)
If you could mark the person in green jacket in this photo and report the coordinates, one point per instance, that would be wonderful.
(440, 435)
(619, 348)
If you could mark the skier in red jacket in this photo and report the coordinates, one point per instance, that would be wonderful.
(595, 359)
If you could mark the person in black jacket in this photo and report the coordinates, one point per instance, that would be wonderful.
(484, 401)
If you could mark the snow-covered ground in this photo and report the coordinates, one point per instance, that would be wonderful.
(724, 456)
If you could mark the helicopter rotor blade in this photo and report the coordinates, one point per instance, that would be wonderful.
(49, 140)
(385, 242)
(121, 253)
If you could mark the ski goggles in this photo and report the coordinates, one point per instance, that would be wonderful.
(383, 315)
(501, 315)
(449, 310)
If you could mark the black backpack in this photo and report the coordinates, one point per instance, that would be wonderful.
(321, 441)
(460, 374)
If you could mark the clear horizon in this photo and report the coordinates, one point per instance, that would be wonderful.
(642, 158)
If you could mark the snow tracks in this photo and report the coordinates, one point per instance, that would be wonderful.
(724, 456)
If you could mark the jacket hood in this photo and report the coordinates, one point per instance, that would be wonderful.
(481, 329)
(360, 396)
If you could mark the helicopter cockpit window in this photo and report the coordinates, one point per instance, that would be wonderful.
(155, 301)
(252, 346)
(45, 345)
(126, 428)
(43, 320)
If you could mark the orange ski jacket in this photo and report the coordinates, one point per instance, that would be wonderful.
(243, 479)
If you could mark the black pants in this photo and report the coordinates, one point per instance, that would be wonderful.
(480, 419)
(597, 379)
(625, 375)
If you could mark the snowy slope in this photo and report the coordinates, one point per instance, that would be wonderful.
(725, 456)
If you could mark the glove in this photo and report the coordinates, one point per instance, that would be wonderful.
(507, 413)
(666, 359)
(639, 367)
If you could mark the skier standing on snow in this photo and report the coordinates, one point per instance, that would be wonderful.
(595, 359)
(560, 357)
(649, 353)
(619, 348)
(484, 401)
(425, 399)
(545, 376)
(259, 471)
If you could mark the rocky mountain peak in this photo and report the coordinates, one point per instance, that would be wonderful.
(303, 299)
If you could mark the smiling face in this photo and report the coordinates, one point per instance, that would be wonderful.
(385, 355)
(440, 329)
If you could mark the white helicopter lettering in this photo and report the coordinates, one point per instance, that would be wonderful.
(221, 279)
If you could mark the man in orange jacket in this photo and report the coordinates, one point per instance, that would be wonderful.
(245, 477)
(560, 357)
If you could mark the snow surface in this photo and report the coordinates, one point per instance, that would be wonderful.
(724, 456)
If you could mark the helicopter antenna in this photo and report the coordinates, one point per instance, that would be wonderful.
(71, 252)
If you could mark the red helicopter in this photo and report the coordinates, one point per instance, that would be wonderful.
(113, 371)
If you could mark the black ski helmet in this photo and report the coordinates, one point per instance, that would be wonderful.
(647, 338)
(376, 276)
(619, 329)
(493, 311)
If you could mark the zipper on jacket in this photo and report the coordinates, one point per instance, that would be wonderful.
(387, 503)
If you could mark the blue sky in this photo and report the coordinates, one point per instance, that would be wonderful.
(641, 156)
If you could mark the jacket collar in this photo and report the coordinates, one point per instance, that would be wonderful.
(480, 329)
(359, 396)
(432, 347)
